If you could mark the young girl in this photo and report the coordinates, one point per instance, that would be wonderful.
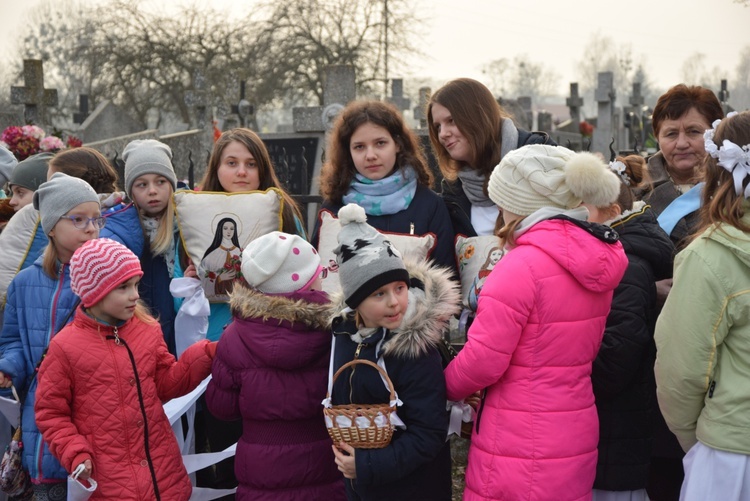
(103, 381)
(239, 162)
(375, 161)
(270, 370)
(39, 302)
(149, 182)
(531, 346)
(702, 334)
(623, 375)
(26, 178)
(470, 133)
(396, 315)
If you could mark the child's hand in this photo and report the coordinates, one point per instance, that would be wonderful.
(5, 381)
(83, 471)
(473, 400)
(190, 271)
(345, 459)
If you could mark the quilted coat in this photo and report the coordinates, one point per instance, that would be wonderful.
(538, 328)
(623, 372)
(37, 305)
(99, 398)
(416, 465)
(270, 370)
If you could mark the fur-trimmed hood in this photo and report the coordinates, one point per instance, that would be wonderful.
(433, 298)
(310, 308)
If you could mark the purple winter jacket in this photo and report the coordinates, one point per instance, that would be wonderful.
(271, 370)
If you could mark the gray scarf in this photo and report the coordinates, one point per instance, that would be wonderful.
(472, 182)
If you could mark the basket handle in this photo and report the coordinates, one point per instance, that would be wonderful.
(375, 366)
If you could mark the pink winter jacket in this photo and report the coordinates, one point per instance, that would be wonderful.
(538, 328)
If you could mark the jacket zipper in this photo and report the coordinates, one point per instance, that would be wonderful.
(53, 314)
(481, 408)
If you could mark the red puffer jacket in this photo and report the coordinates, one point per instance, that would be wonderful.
(95, 391)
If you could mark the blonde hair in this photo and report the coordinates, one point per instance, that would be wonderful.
(143, 314)
(162, 242)
(50, 259)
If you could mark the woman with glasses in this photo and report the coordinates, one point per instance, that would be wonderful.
(39, 304)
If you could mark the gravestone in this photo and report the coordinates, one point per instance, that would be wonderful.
(527, 118)
(632, 118)
(724, 97)
(397, 95)
(105, 122)
(574, 103)
(244, 110)
(339, 87)
(605, 98)
(34, 97)
(420, 111)
(83, 109)
(10, 117)
(544, 121)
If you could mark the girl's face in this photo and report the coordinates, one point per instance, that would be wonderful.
(386, 306)
(67, 237)
(373, 151)
(227, 230)
(151, 194)
(448, 134)
(681, 143)
(238, 170)
(119, 304)
(20, 197)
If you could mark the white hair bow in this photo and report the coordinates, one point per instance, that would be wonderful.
(734, 158)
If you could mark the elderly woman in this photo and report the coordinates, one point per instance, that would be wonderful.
(680, 118)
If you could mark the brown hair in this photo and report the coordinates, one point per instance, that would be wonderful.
(678, 100)
(720, 202)
(49, 261)
(478, 116)
(266, 173)
(87, 164)
(339, 170)
(636, 169)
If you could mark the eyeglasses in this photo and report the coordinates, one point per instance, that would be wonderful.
(82, 223)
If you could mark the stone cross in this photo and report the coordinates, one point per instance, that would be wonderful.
(632, 117)
(339, 87)
(528, 119)
(605, 99)
(35, 98)
(198, 98)
(420, 111)
(83, 109)
(724, 92)
(574, 103)
(397, 95)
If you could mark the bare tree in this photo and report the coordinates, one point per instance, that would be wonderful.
(497, 75)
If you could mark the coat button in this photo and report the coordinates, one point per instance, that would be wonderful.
(132, 382)
(144, 463)
(139, 423)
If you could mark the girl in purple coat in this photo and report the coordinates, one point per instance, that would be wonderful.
(271, 370)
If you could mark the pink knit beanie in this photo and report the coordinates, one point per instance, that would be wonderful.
(100, 265)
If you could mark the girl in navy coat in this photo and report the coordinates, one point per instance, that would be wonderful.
(374, 160)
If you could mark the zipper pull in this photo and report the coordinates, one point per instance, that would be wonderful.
(411, 228)
(711, 389)
(359, 348)
(117, 338)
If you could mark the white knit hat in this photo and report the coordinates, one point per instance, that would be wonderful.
(280, 263)
(538, 175)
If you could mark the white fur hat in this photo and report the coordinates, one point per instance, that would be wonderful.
(537, 176)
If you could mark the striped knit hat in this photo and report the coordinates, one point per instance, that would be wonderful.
(100, 265)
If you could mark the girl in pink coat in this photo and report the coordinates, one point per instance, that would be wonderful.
(539, 324)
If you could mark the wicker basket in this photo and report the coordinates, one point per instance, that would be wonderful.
(372, 437)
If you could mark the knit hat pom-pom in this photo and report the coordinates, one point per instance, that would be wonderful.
(589, 179)
(352, 213)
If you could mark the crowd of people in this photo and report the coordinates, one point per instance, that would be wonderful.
(591, 369)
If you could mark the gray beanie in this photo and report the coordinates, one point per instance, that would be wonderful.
(31, 172)
(367, 260)
(7, 163)
(58, 196)
(147, 156)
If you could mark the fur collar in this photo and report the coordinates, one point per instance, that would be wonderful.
(426, 317)
(309, 308)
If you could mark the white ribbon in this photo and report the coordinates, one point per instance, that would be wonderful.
(461, 412)
(736, 160)
(191, 323)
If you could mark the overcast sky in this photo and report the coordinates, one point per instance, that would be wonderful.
(462, 35)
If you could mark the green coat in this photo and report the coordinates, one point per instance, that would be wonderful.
(703, 343)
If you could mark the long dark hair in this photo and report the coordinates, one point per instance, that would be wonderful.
(218, 236)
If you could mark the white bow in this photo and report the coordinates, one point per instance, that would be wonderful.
(736, 160)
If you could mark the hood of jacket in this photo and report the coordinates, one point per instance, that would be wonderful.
(595, 264)
(641, 235)
(433, 299)
(308, 309)
(735, 240)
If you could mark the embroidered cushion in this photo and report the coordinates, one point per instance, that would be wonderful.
(475, 259)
